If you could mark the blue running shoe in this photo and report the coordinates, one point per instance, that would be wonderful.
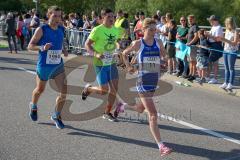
(33, 113)
(58, 122)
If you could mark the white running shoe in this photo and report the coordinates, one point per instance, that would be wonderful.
(229, 86)
(213, 81)
(223, 86)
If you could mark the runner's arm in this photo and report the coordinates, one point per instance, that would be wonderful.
(35, 39)
(133, 47)
(89, 47)
(162, 49)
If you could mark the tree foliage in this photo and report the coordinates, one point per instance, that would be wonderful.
(200, 8)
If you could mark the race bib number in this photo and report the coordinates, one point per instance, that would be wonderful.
(53, 57)
(151, 64)
(108, 58)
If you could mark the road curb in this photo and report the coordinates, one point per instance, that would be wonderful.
(205, 86)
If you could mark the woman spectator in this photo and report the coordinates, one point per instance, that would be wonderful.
(138, 28)
(26, 28)
(182, 32)
(86, 28)
(20, 35)
(230, 52)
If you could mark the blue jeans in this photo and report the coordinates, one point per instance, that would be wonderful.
(229, 63)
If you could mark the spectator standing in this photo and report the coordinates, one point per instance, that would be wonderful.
(230, 52)
(11, 31)
(191, 41)
(215, 32)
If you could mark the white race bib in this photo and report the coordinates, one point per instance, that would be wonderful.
(53, 57)
(151, 64)
(108, 58)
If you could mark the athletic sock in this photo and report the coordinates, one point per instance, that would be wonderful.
(56, 114)
(160, 144)
(33, 106)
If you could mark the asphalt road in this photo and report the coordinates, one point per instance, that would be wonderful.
(207, 125)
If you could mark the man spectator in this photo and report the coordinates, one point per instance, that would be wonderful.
(35, 22)
(215, 32)
(191, 41)
(11, 31)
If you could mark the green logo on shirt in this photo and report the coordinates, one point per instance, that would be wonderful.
(111, 42)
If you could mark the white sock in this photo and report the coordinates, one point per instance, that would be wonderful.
(160, 144)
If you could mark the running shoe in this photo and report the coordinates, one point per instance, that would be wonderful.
(164, 150)
(223, 86)
(58, 122)
(229, 86)
(33, 113)
(109, 117)
(120, 107)
(213, 81)
(191, 78)
(84, 92)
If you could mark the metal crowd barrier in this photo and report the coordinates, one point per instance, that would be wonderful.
(76, 39)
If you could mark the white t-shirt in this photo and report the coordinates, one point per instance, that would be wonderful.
(163, 37)
(27, 21)
(216, 31)
(228, 47)
(159, 26)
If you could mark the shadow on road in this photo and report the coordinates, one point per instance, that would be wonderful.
(178, 148)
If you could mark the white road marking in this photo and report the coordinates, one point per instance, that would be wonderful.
(28, 71)
(208, 131)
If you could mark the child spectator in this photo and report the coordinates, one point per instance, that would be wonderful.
(202, 56)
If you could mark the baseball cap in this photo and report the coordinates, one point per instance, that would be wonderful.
(213, 18)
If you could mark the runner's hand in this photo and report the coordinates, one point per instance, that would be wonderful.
(65, 53)
(130, 69)
(47, 46)
(99, 56)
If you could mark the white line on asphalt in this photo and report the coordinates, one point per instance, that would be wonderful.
(28, 71)
(208, 131)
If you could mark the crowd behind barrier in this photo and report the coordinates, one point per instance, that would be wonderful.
(182, 51)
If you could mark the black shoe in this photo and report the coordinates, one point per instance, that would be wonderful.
(84, 92)
(186, 76)
(191, 78)
(179, 74)
(109, 117)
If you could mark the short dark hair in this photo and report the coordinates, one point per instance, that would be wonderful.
(155, 17)
(125, 15)
(106, 11)
(173, 22)
(141, 13)
(120, 11)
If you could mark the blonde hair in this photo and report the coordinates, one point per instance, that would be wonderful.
(230, 23)
(148, 22)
